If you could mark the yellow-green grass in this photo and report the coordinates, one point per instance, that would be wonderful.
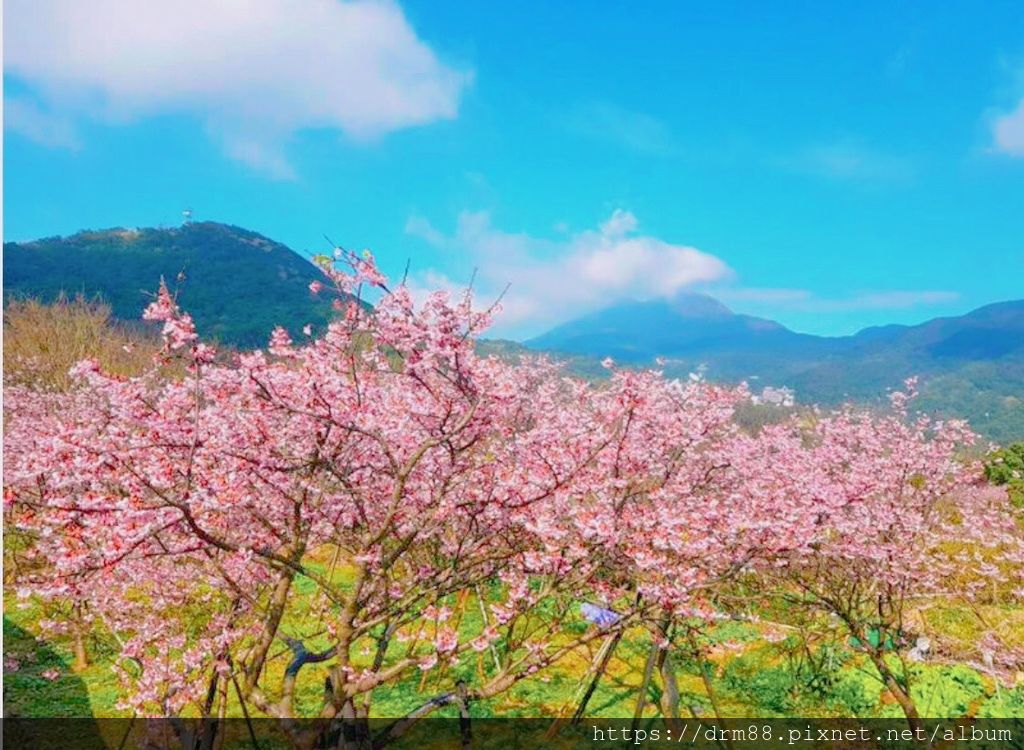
(751, 675)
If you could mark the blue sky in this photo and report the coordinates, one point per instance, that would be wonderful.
(828, 165)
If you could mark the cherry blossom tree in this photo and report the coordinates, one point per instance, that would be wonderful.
(897, 521)
(182, 511)
(380, 504)
(680, 502)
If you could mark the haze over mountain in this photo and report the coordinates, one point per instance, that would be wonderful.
(238, 285)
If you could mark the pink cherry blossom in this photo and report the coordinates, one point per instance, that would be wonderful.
(179, 512)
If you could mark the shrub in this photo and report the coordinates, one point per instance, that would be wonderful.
(42, 342)
(1005, 467)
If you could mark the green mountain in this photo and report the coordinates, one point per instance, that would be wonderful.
(236, 284)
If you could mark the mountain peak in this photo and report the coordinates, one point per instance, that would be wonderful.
(639, 331)
(697, 305)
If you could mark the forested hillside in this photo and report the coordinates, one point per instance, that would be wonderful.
(237, 284)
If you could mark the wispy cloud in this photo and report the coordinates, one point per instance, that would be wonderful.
(253, 73)
(417, 226)
(804, 300)
(778, 295)
(24, 116)
(551, 280)
(1008, 132)
(848, 160)
(896, 299)
(635, 131)
(263, 155)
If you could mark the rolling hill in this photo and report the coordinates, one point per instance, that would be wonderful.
(237, 284)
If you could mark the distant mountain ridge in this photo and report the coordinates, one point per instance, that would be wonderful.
(972, 365)
(237, 284)
(696, 325)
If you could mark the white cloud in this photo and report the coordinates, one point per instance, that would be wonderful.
(254, 73)
(555, 280)
(1008, 132)
(619, 224)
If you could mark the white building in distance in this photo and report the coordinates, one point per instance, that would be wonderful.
(776, 396)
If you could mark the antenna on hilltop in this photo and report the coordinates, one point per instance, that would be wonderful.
(186, 216)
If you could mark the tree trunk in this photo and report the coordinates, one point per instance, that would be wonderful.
(709, 688)
(355, 728)
(607, 657)
(641, 698)
(81, 657)
(670, 689)
(275, 610)
(897, 691)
